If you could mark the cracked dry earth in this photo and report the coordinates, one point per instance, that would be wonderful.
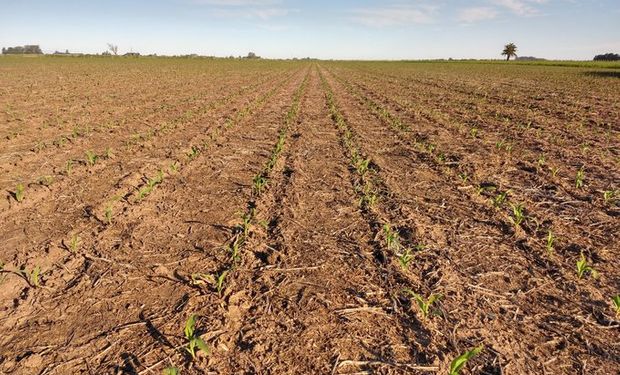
(303, 212)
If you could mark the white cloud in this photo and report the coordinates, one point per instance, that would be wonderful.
(236, 3)
(394, 15)
(476, 14)
(520, 7)
(245, 9)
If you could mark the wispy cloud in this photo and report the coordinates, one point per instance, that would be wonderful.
(246, 9)
(395, 15)
(476, 14)
(520, 7)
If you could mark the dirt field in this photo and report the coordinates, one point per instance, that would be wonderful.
(305, 212)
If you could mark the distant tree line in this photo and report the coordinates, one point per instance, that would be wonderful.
(607, 57)
(19, 50)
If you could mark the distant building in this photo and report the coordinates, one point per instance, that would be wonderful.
(132, 54)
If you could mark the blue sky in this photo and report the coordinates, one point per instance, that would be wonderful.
(365, 29)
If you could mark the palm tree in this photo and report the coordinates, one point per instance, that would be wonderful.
(510, 50)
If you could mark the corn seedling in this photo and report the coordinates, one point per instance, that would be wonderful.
(554, 171)
(464, 177)
(392, 239)
(69, 167)
(579, 178)
(74, 243)
(474, 132)
(108, 215)
(194, 340)
(193, 152)
(150, 185)
(518, 214)
(259, 183)
(541, 160)
(219, 281)
(610, 196)
(32, 277)
(246, 222)
(174, 167)
(616, 301)
(108, 153)
(362, 166)
(457, 364)
(500, 199)
(46, 180)
(19, 192)
(171, 371)
(583, 267)
(199, 279)
(550, 242)
(405, 258)
(91, 158)
(234, 248)
(423, 304)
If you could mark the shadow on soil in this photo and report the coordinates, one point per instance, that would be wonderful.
(603, 74)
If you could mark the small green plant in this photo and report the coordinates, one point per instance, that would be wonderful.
(458, 363)
(464, 177)
(405, 258)
(46, 180)
(424, 304)
(500, 199)
(583, 267)
(174, 167)
(19, 192)
(91, 158)
(259, 183)
(518, 214)
(616, 301)
(150, 185)
(541, 160)
(580, 178)
(610, 196)
(554, 171)
(194, 340)
(392, 239)
(362, 166)
(219, 281)
(108, 153)
(234, 248)
(246, 222)
(69, 167)
(171, 371)
(550, 242)
(108, 215)
(474, 132)
(74, 243)
(193, 152)
(33, 277)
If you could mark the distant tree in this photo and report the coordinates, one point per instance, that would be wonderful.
(28, 49)
(607, 57)
(510, 50)
(113, 48)
(252, 55)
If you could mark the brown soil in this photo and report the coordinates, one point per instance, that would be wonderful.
(131, 246)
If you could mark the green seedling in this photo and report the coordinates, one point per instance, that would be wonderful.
(219, 282)
(541, 160)
(174, 167)
(234, 248)
(194, 340)
(457, 364)
(518, 214)
(69, 167)
(554, 171)
(550, 242)
(33, 277)
(423, 304)
(405, 258)
(74, 243)
(150, 185)
(579, 178)
(171, 371)
(464, 177)
(194, 151)
(392, 239)
(362, 166)
(500, 199)
(199, 279)
(259, 183)
(474, 132)
(616, 301)
(19, 192)
(108, 215)
(583, 267)
(91, 158)
(610, 196)
(246, 222)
